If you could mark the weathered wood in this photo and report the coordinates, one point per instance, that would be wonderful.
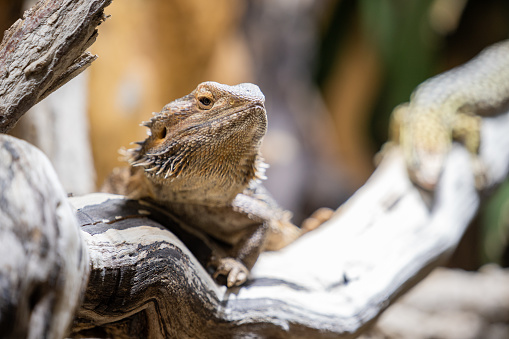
(144, 282)
(43, 51)
(333, 282)
(58, 126)
(43, 260)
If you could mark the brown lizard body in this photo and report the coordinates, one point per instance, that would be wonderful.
(449, 107)
(202, 162)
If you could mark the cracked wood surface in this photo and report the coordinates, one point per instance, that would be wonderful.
(43, 260)
(43, 51)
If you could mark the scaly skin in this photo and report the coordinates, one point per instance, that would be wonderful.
(202, 162)
(448, 107)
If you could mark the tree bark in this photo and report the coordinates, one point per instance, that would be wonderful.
(44, 264)
(332, 283)
(43, 51)
(58, 126)
(43, 261)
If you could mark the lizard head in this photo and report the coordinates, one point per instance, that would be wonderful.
(206, 142)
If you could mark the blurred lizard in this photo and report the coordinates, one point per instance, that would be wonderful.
(447, 108)
(202, 162)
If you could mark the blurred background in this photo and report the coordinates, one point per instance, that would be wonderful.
(331, 71)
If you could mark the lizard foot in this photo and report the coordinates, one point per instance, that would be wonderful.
(236, 272)
(318, 217)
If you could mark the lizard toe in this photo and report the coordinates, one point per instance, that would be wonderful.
(235, 271)
(318, 217)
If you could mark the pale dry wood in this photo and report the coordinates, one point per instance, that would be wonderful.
(43, 260)
(58, 126)
(332, 283)
(43, 51)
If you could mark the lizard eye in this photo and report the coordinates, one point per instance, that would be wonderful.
(205, 102)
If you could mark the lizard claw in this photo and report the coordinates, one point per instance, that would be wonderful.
(235, 271)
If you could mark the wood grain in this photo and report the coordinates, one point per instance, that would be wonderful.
(43, 260)
(44, 50)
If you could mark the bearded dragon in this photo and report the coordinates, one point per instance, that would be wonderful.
(201, 161)
(447, 108)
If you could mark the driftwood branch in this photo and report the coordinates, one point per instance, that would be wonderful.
(333, 282)
(43, 51)
(58, 126)
(43, 261)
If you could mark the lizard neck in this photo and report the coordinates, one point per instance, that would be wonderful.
(211, 190)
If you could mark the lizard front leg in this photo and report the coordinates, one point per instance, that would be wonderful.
(446, 108)
(243, 256)
(467, 130)
(426, 138)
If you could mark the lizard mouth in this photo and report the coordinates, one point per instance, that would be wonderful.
(164, 136)
(256, 106)
(245, 112)
(168, 153)
(225, 118)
